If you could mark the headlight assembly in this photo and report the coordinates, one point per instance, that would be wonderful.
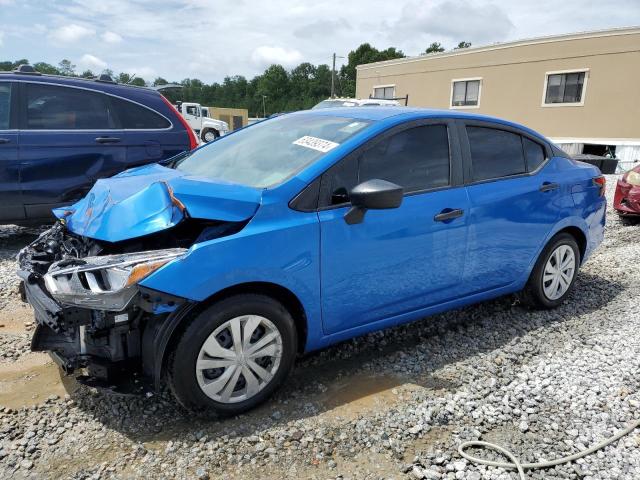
(107, 282)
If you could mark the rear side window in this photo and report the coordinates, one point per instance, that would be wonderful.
(136, 117)
(51, 107)
(534, 153)
(495, 153)
(5, 105)
(416, 159)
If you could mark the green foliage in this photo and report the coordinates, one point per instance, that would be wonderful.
(462, 45)
(281, 90)
(435, 47)
(365, 53)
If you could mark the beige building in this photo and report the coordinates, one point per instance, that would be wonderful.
(234, 117)
(581, 90)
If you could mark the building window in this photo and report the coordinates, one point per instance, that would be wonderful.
(465, 93)
(565, 88)
(384, 91)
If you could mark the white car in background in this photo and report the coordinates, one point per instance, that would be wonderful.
(356, 102)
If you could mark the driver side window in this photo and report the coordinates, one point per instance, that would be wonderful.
(417, 159)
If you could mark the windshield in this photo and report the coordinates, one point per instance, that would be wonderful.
(334, 103)
(269, 152)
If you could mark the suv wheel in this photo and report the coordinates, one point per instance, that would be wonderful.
(554, 274)
(233, 355)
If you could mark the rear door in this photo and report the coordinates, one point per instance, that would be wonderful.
(10, 195)
(68, 139)
(148, 135)
(400, 260)
(514, 199)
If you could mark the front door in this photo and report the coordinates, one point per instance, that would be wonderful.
(400, 260)
(69, 139)
(10, 195)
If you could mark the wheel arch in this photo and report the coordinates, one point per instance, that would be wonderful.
(169, 331)
(579, 235)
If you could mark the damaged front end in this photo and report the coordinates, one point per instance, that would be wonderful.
(91, 313)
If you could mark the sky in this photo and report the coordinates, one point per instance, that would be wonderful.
(211, 39)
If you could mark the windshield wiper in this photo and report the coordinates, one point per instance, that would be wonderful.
(174, 161)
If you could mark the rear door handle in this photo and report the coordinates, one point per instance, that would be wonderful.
(448, 214)
(4, 140)
(548, 186)
(107, 140)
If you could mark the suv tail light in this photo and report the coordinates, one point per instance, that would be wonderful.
(602, 183)
(193, 141)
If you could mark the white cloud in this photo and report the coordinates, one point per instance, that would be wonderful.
(111, 37)
(71, 33)
(1, 38)
(91, 62)
(264, 56)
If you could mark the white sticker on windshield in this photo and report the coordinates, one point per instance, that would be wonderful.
(316, 143)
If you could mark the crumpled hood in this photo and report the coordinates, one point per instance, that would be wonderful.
(148, 199)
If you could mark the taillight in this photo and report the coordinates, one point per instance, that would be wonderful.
(193, 141)
(602, 183)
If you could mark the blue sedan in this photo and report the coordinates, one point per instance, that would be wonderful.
(215, 269)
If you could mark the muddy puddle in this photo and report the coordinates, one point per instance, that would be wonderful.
(31, 380)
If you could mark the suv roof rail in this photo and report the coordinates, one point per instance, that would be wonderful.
(26, 69)
(105, 77)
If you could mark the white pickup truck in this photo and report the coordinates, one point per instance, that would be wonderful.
(197, 116)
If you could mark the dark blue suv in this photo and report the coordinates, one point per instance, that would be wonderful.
(58, 135)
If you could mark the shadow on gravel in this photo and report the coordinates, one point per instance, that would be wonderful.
(356, 370)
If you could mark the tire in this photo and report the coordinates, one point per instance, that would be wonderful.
(535, 294)
(188, 379)
(206, 135)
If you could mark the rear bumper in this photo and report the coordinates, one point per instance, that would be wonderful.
(626, 200)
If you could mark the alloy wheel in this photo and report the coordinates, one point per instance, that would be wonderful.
(559, 272)
(239, 359)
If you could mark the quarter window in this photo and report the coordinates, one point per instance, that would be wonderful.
(51, 107)
(565, 88)
(534, 153)
(384, 92)
(416, 159)
(466, 93)
(495, 153)
(136, 117)
(5, 105)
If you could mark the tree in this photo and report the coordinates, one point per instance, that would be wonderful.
(140, 82)
(67, 68)
(159, 81)
(365, 53)
(462, 45)
(87, 74)
(123, 77)
(46, 68)
(435, 47)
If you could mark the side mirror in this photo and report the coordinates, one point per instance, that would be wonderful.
(373, 194)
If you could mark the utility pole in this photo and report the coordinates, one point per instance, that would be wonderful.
(333, 77)
(264, 108)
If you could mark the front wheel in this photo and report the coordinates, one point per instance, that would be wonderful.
(209, 135)
(554, 273)
(233, 355)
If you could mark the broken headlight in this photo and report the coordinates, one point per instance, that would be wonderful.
(106, 282)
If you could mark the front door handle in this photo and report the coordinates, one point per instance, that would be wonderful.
(548, 186)
(4, 140)
(448, 214)
(107, 140)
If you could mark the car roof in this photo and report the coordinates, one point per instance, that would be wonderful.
(381, 113)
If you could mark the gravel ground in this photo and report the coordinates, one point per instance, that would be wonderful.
(394, 404)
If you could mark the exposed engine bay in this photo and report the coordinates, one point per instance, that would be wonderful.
(90, 310)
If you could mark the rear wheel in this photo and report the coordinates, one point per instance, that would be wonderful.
(554, 273)
(233, 355)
